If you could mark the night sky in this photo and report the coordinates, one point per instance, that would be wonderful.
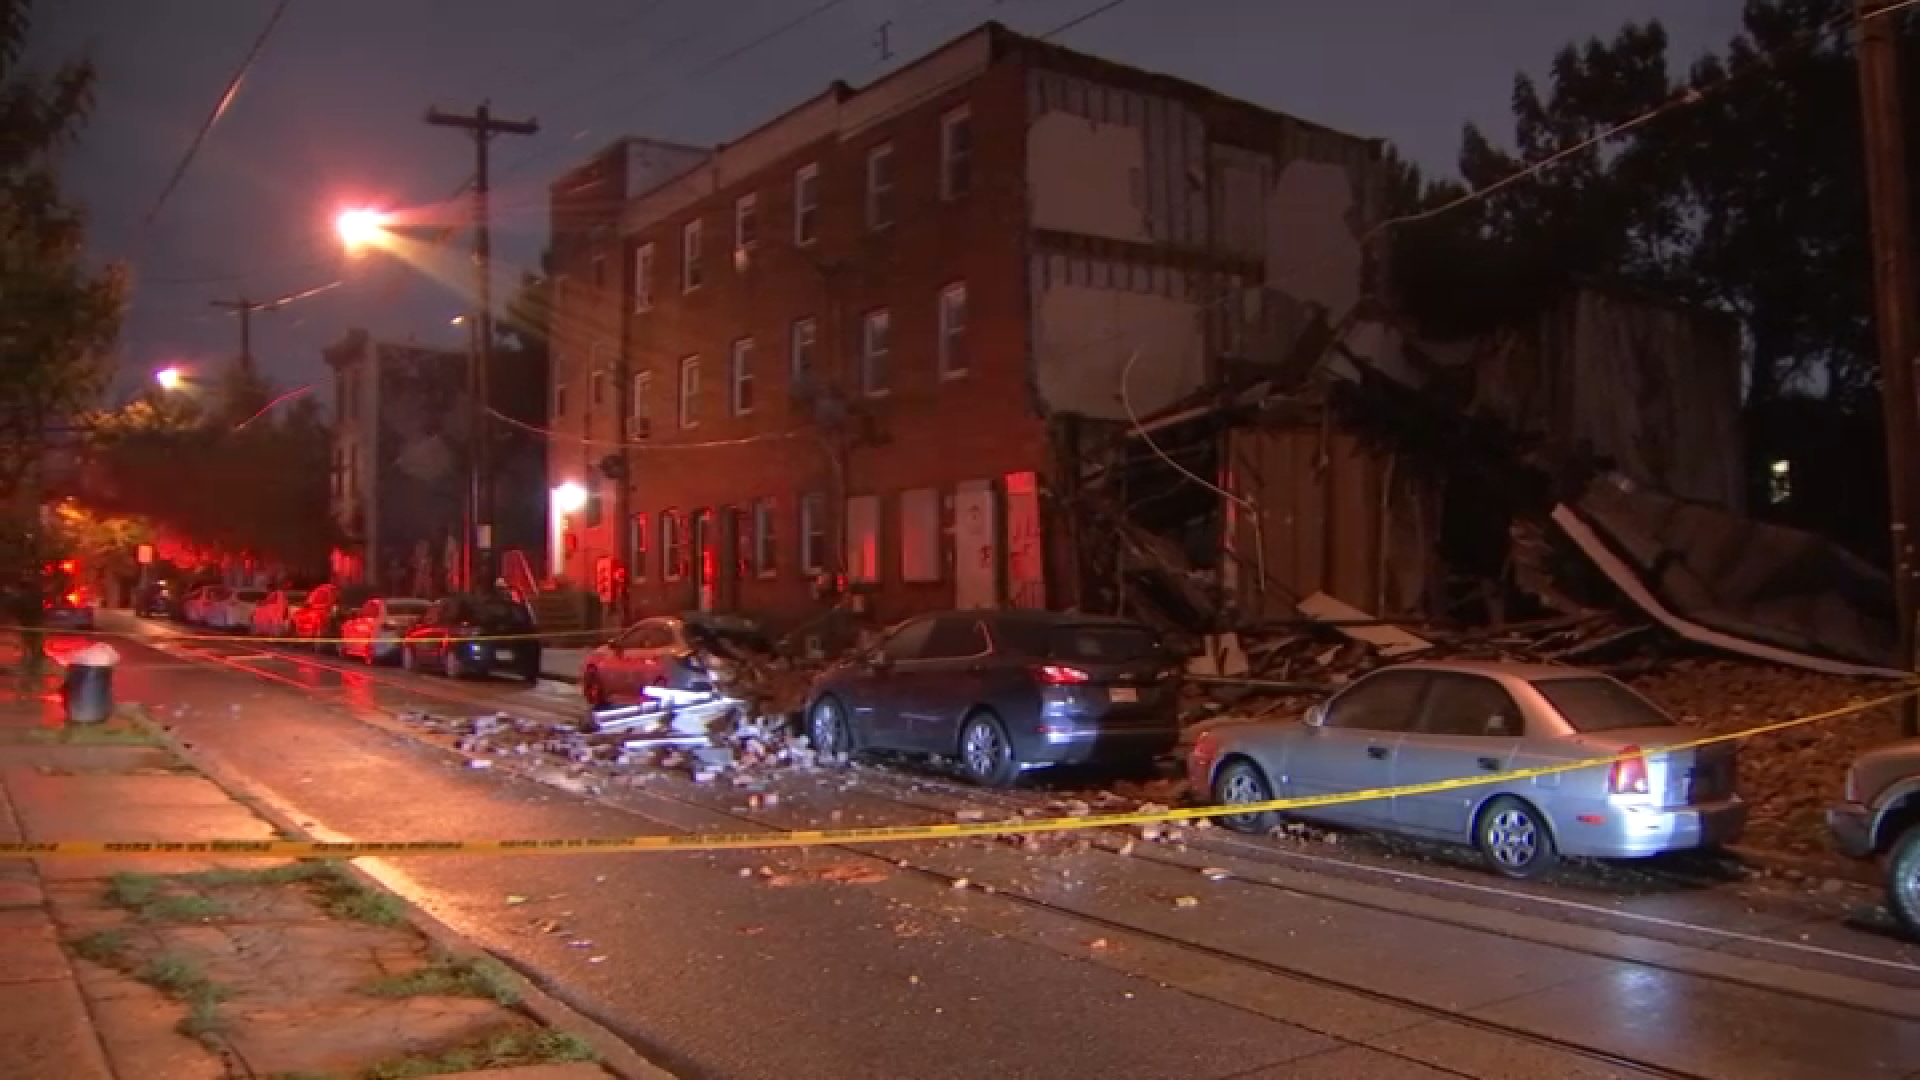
(331, 115)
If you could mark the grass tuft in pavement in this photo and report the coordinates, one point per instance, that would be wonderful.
(345, 898)
(503, 1051)
(293, 873)
(453, 976)
(107, 948)
(149, 897)
(182, 980)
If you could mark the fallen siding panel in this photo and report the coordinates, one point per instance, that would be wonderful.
(1629, 583)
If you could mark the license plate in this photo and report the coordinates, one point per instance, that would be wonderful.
(503, 654)
(1123, 694)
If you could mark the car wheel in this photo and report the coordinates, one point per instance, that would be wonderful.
(591, 689)
(986, 754)
(1903, 880)
(829, 730)
(1514, 839)
(1238, 782)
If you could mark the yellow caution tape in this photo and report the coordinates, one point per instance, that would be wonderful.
(300, 849)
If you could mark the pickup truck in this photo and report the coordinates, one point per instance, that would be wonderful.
(1879, 816)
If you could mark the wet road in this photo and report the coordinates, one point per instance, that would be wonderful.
(1302, 960)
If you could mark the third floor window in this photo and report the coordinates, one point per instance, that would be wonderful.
(880, 186)
(692, 269)
(806, 205)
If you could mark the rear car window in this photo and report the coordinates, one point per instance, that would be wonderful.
(1596, 703)
(1091, 643)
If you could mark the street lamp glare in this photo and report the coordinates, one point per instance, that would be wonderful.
(360, 228)
(169, 378)
(569, 497)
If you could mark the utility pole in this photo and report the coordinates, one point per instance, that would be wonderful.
(245, 309)
(1894, 298)
(482, 126)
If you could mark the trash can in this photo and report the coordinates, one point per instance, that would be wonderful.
(87, 692)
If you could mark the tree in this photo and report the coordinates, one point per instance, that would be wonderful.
(58, 318)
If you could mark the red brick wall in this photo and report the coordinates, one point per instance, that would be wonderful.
(930, 432)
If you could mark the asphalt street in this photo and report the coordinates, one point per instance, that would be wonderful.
(1220, 957)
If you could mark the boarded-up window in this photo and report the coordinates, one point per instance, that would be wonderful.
(863, 539)
(920, 535)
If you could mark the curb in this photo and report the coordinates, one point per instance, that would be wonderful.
(617, 1056)
(1839, 867)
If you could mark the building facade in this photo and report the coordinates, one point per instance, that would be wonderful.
(846, 346)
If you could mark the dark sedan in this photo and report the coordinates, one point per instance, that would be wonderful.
(474, 636)
(1004, 691)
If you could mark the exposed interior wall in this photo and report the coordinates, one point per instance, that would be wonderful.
(1084, 334)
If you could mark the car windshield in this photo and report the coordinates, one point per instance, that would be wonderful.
(406, 607)
(493, 611)
(1595, 703)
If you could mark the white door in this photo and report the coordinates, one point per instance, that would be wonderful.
(976, 539)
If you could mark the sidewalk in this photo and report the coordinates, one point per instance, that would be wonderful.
(129, 969)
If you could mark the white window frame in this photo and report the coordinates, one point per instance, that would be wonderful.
(806, 205)
(559, 403)
(640, 406)
(876, 353)
(951, 155)
(692, 256)
(676, 532)
(597, 389)
(880, 201)
(766, 552)
(643, 277)
(952, 346)
(746, 221)
(639, 544)
(740, 377)
(690, 391)
(804, 327)
(814, 535)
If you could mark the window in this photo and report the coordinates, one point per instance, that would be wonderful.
(875, 345)
(766, 558)
(1596, 703)
(1380, 703)
(956, 153)
(640, 407)
(956, 637)
(599, 271)
(880, 186)
(746, 221)
(953, 330)
(863, 539)
(643, 278)
(690, 264)
(673, 546)
(739, 526)
(813, 534)
(920, 535)
(801, 350)
(742, 377)
(559, 400)
(597, 388)
(637, 548)
(806, 205)
(907, 641)
(1470, 705)
(690, 392)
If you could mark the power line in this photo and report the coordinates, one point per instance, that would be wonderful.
(220, 109)
(1088, 17)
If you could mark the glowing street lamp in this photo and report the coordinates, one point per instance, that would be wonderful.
(360, 228)
(170, 378)
(569, 497)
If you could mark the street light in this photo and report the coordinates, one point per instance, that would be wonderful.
(360, 229)
(569, 497)
(170, 378)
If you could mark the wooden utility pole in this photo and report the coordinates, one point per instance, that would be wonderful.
(482, 126)
(1894, 298)
(245, 309)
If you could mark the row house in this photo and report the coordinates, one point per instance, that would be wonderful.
(841, 348)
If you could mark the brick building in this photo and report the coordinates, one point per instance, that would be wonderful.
(848, 343)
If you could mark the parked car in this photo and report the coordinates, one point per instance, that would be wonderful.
(273, 616)
(72, 610)
(235, 612)
(327, 609)
(156, 599)
(1003, 692)
(459, 637)
(1424, 722)
(667, 651)
(375, 632)
(1879, 817)
(202, 602)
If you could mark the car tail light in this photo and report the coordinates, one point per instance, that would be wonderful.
(1060, 675)
(1629, 773)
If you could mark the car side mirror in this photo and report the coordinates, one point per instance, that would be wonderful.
(1316, 716)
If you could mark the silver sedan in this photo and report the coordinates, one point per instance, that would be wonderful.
(1424, 722)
